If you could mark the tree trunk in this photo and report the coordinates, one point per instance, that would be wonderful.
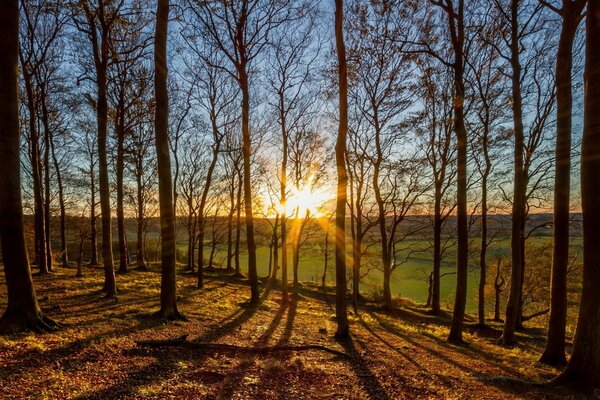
(462, 257)
(343, 330)
(110, 285)
(583, 369)
(275, 245)
(514, 298)
(46, 168)
(120, 169)
(230, 222)
(238, 227)
(248, 217)
(437, 249)
(205, 191)
(140, 245)
(23, 312)
(93, 229)
(386, 259)
(484, 229)
(168, 285)
(200, 238)
(63, 216)
(40, 232)
(554, 352)
(284, 162)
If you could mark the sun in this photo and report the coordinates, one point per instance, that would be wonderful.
(306, 199)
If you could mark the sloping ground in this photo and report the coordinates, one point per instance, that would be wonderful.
(398, 355)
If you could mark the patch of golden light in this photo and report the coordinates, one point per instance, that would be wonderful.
(306, 199)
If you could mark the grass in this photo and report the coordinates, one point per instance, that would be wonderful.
(393, 355)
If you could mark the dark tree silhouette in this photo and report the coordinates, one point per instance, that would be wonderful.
(343, 329)
(23, 312)
(168, 287)
(571, 15)
(583, 368)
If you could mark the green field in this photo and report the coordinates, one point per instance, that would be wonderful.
(408, 279)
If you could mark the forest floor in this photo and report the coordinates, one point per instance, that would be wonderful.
(400, 354)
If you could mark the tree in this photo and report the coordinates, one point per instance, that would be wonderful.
(571, 15)
(343, 329)
(456, 28)
(488, 108)
(583, 368)
(292, 66)
(168, 284)
(379, 88)
(23, 311)
(129, 47)
(440, 153)
(240, 31)
(518, 24)
(40, 28)
(99, 17)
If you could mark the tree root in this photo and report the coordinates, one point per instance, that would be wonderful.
(183, 342)
(38, 323)
(169, 315)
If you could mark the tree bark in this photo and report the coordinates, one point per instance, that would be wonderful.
(209, 176)
(284, 162)
(47, 200)
(456, 25)
(248, 217)
(514, 298)
(554, 352)
(110, 285)
(93, 228)
(23, 312)
(39, 226)
(140, 244)
(583, 368)
(168, 285)
(119, 171)
(343, 329)
(63, 214)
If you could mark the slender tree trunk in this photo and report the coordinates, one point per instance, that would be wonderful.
(93, 229)
(456, 25)
(275, 245)
(120, 169)
(437, 249)
(200, 238)
(140, 246)
(343, 329)
(204, 197)
(79, 273)
(47, 194)
(514, 298)
(386, 259)
(295, 250)
(40, 231)
(484, 228)
(63, 214)
(238, 227)
(191, 236)
(326, 258)
(284, 162)
(110, 285)
(23, 312)
(230, 222)
(554, 352)
(248, 217)
(168, 285)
